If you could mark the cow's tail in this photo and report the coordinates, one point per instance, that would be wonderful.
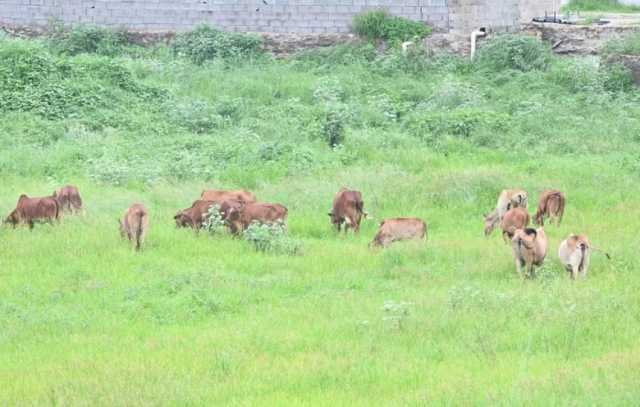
(561, 204)
(595, 249)
(360, 206)
(140, 230)
(58, 210)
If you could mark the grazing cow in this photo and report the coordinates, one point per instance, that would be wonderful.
(28, 210)
(194, 216)
(134, 224)
(219, 196)
(69, 198)
(239, 217)
(529, 249)
(508, 199)
(396, 229)
(551, 205)
(348, 209)
(515, 218)
(575, 253)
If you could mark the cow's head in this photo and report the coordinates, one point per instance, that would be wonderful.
(490, 221)
(231, 211)
(121, 228)
(183, 220)
(524, 237)
(13, 219)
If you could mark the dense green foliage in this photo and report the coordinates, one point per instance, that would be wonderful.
(312, 317)
(380, 25)
(206, 43)
(599, 5)
(628, 45)
(89, 40)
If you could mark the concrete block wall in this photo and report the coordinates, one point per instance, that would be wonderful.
(274, 16)
(278, 16)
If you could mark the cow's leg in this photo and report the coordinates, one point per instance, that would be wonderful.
(519, 266)
(574, 272)
(31, 224)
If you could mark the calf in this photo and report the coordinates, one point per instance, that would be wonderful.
(69, 198)
(28, 210)
(348, 209)
(239, 218)
(134, 224)
(551, 205)
(575, 253)
(516, 218)
(219, 196)
(195, 216)
(396, 229)
(529, 249)
(508, 199)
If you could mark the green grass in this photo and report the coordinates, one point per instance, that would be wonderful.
(600, 5)
(199, 320)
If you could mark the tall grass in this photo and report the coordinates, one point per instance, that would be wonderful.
(600, 5)
(208, 319)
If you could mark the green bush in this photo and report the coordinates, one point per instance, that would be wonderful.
(380, 25)
(87, 39)
(214, 224)
(55, 86)
(329, 58)
(206, 43)
(598, 5)
(272, 238)
(516, 52)
(628, 45)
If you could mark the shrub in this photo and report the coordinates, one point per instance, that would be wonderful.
(206, 43)
(333, 126)
(213, 223)
(330, 57)
(517, 52)
(433, 127)
(271, 238)
(90, 40)
(628, 45)
(380, 25)
(598, 5)
(54, 86)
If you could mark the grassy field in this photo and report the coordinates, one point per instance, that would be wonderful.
(600, 5)
(207, 320)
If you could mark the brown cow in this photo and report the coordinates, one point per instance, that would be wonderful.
(219, 196)
(69, 198)
(195, 216)
(508, 199)
(134, 224)
(28, 210)
(575, 254)
(396, 229)
(551, 205)
(515, 218)
(529, 249)
(348, 209)
(239, 218)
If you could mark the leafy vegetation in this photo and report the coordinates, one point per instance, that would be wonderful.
(380, 25)
(272, 238)
(599, 5)
(89, 40)
(212, 321)
(628, 45)
(206, 43)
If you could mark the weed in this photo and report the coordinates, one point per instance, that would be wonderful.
(380, 25)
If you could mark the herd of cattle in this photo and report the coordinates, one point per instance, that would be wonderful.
(239, 209)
